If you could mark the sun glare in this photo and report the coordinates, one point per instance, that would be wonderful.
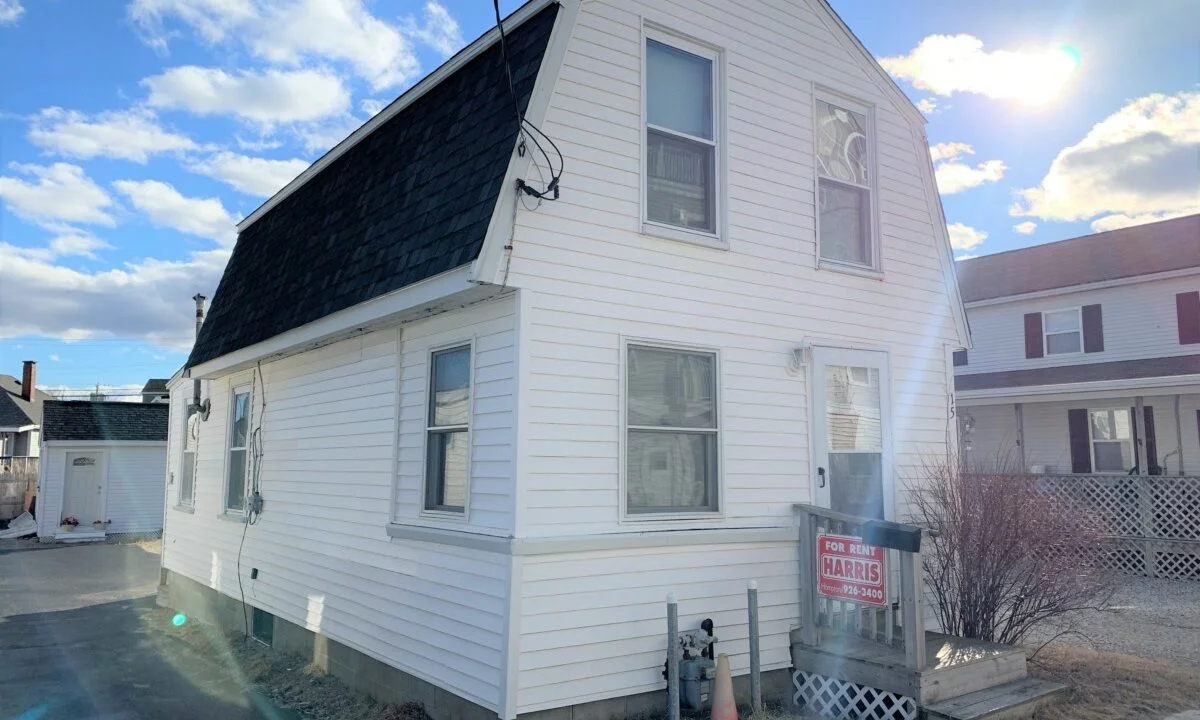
(1047, 74)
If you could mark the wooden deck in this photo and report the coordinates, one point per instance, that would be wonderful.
(953, 667)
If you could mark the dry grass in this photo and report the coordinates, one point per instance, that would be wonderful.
(1109, 686)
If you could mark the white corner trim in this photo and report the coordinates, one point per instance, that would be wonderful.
(356, 319)
(487, 267)
(430, 81)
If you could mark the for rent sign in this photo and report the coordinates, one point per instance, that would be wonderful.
(848, 569)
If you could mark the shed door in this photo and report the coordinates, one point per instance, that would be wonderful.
(83, 491)
(851, 433)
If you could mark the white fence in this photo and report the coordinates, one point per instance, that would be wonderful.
(1155, 519)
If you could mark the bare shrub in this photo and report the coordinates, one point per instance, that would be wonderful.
(1004, 556)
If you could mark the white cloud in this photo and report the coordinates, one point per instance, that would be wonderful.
(965, 237)
(68, 241)
(965, 257)
(55, 358)
(55, 193)
(949, 151)
(257, 176)
(371, 106)
(1121, 220)
(266, 98)
(1026, 228)
(164, 206)
(294, 32)
(953, 177)
(320, 136)
(128, 135)
(439, 30)
(264, 142)
(10, 12)
(927, 106)
(1142, 162)
(946, 64)
(147, 300)
(113, 393)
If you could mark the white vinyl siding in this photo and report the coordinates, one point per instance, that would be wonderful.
(1139, 322)
(329, 468)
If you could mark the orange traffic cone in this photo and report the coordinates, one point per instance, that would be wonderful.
(723, 706)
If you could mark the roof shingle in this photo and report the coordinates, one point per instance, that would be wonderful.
(1128, 252)
(117, 421)
(411, 200)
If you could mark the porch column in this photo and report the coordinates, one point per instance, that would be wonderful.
(1178, 436)
(1139, 422)
(1019, 417)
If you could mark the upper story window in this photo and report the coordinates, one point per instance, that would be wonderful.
(672, 431)
(1063, 330)
(239, 442)
(681, 135)
(447, 444)
(844, 183)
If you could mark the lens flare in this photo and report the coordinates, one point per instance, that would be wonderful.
(179, 619)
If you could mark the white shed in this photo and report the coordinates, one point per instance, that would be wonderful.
(104, 464)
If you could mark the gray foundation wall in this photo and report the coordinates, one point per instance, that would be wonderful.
(386, 684)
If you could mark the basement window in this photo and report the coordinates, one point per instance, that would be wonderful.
(262, 626)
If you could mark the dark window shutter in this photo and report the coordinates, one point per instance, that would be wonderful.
(1093, 329)
(1151, 443)
(1033, 335)
(960, 358)
(1187, 310)
(1081, 441)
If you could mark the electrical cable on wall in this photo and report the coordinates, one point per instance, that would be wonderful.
(252, 498)
(527, 131)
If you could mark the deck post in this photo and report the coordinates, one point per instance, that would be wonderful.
(672, 657)
(809, 633)
(913, 608)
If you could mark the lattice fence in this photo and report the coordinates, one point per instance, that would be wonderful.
(844, 700)
(1154, 520)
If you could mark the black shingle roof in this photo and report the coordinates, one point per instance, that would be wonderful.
(411, 200)
(83, 420)
(155, 385)
(16, 411)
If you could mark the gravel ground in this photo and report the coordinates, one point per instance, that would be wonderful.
(1147, 617)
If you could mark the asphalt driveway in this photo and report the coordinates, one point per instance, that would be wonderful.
(81, 637)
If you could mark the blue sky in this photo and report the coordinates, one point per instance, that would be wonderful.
(137, 133)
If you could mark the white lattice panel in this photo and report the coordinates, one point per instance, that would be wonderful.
(1156, 519)
(843, 700)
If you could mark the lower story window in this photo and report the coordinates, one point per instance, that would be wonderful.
(1112, 440)
(672, 431)
(447, 435)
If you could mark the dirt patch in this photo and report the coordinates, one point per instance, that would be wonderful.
(1110, 686)
(286, 679)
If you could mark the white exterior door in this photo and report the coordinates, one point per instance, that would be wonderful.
(83, 488)
(851, 431)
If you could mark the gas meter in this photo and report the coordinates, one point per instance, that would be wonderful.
(696, 649)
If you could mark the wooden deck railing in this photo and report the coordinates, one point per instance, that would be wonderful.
(900, 623)
(18, 465)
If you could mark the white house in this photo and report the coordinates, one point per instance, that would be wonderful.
(20, 420)
(462, 440)
(105, 462)
(1071, 339)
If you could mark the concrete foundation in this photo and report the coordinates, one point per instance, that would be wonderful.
(388, 684)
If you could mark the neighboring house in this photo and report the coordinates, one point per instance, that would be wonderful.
(1071, 338)
(102, 461)
(155, 391)
(20, 420)
(480, 437)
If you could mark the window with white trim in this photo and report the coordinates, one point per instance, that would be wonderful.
(672, 431)
(1112, 440)
(239, 455)
(187, 463)
(1063, 331)
(681, 135)
(845, 183)
(447, 442)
